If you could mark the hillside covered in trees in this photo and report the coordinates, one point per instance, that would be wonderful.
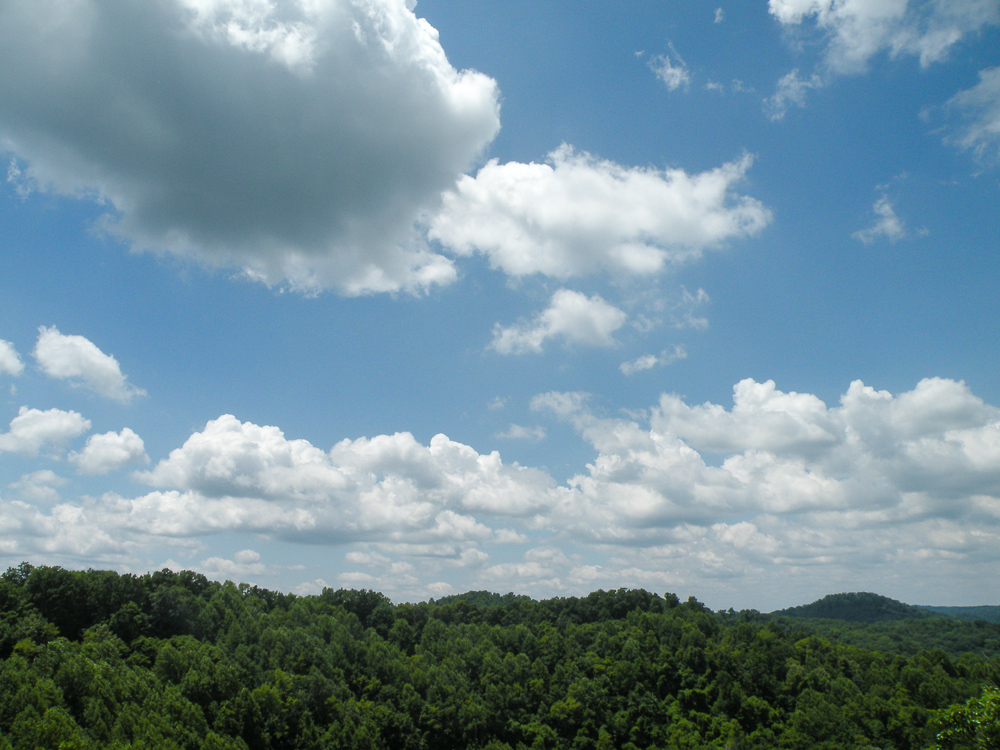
(857, 607)
(172, 660)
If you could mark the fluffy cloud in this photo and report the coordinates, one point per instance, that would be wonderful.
(572, 316)
(78, 360)
(981, 104)
(579, 215)
(875, 462)
(110, 451)
(66, 529)
(297, 140)
(777, 489)
(887, 224)
(10, 361)
(435, 502)
(39, 486)
(762, 418)
(235, 475)
(857, 30)
(32, 429)
(244, 566)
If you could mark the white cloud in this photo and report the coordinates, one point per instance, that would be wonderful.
(649, 361)
(440, 588)
(297, 141)
(436, 501)
(720, 16)
(518, 432)
(645, 362)
(311, 588)
(791, 90)
(579, 215)
(10, 361)
(39, 486)
(857, 30)
(32, 429)
(380, 572)
(779, 490)
(78, 360)
(235, 475)
(368, 559)
(563, 405)
(244, 566)
(887, 224)
(875, 462)
(762, 418)
(572, 316)
(981, 105)
(671, 69)
(109, 452)
(684, 315)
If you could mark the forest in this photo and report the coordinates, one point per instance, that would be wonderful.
(95, 659)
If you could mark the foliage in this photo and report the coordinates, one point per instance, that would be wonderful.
(973, 725)
(904, 637)
(172, 660)
(985, 614)
(857, 607)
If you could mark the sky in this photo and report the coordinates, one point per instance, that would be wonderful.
(548, 297)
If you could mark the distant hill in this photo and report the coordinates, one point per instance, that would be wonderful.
(860, 607)
(483, 599)
(986, 614)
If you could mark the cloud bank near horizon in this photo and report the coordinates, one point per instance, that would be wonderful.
(777, 485)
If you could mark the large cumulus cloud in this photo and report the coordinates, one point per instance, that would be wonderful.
(294, 139)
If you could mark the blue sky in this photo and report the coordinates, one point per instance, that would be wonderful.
(544, 297)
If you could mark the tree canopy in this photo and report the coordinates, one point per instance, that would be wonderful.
(94, 659)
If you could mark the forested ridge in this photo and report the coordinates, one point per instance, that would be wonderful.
(172, 660)
(857, 607)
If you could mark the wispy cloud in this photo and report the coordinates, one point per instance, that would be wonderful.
(887, 224)
(791, 90)
(517, 432)
(649, 361)
(857, 31)
(671, 69)
(980, 105)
